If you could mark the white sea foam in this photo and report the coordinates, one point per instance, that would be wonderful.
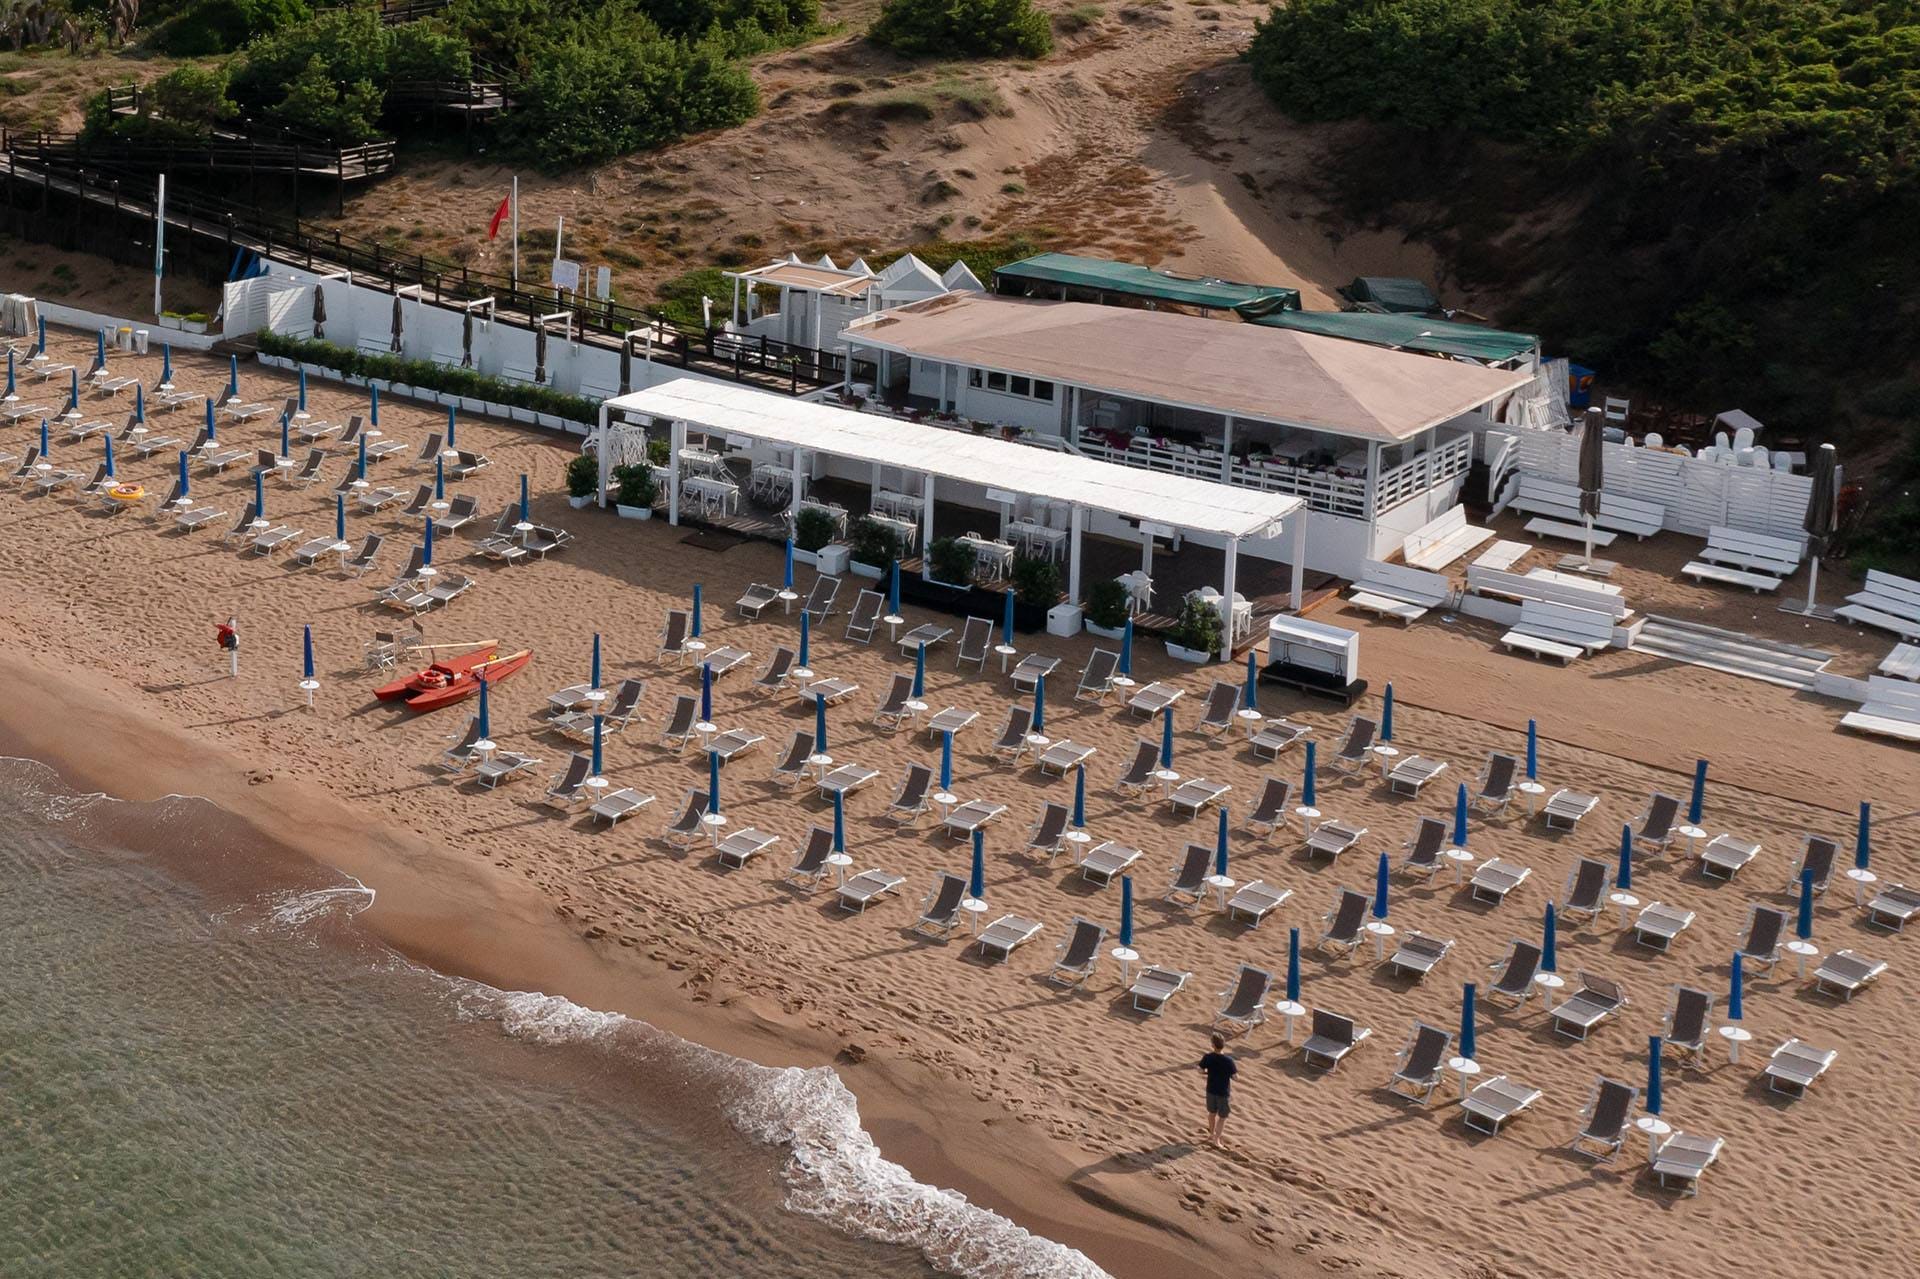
(293, 910)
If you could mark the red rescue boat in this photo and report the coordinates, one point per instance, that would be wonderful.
(454, 679)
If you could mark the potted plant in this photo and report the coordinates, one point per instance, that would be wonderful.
(583, 480)
(634, 491)
(1196, 636)
(1036, 581)
(1107, 608)
(951, 562)
(812, 529)
(659, 450)
(871, 547)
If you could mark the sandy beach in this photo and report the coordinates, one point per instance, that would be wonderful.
(1065, 1111)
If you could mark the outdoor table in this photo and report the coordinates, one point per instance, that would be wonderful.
(974, 908)
(1802, 951)
(1548, 983)
(1386, 754)
(1735, 1036)
(1380, 930)
(1655, 1128)
(1167, 779)
(1692, 834)
(1863, 879)
(1533, 791)
(1290, 1010)
(1461, 859)
(1308, 816)
(1626, 902)
(1005, 651)
(1223, 884)
(1126, 957)
(1463, 1068)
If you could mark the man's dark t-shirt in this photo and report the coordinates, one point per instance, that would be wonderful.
(1220, 1070)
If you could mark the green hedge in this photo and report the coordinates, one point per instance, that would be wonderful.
(963, 28)
(467, 383)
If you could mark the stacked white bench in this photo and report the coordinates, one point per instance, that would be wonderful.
(1548, 590)
(1892, 709)
(1394, 590)
(368, 344)
(1890, 603)
(1547, 629)
(1557, 503)
(1440, 542)
(1758, 561)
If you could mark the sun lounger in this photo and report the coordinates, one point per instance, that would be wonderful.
(501, 546)
(911, 800)
(1424, 850)
(1012, 742)
(1418, 953)
(313, 551)
(845, 780)
(1593, 1001)
(567, 790)
(245, 412)
(1586, 891)
(1276, 800)
(1078, 954)
(1413, 772)
(865, 616)
(1688, 1023)
(820, 598)
(1759, 944)
(724, 660)
(430, 450)
(1139, 775)
(1044, 836)
(687, 827)
(679, 729)
(198, 517)
(867, 887)
(929, 634)
(48, 481)
(504, 767)
(1096, 677)
(1514, 986)
(406, 597)
(568, 699)
(1243, 1005)
(1195, 794)
(1153, 699)
(1817, 855)
(618, 715)
(1566, 807)
(940, 911)
(1659, 923)
(460, 512)
(1254, 902)
(674, 635)
(831, 691)
(755, 599)
(1007, 934)
(1189, 882)
(1033, 668)
(1654, 827)
(950, 720)
(1606, 1114)
(1892, 907)
(615, 805)
(242, 527)
(267, 541)
(976, 633)
(1332, 1037)
(733, 743)
(779, 670)
(1216, 713)
(1724, 855)
(1421, 1063)
(1796, 1065)
(1846, 973)
(973, 815)
(1107, 861)
(447, 587)
(1275, 735)
(461, 756)
(1493, 879)
(1358, 748)
(1343, 922)
(465, 464)
(892, 711)
(1064, 756)
(1155, 986)
(1684, 1158)
(1494, 1102)
(810, 861)
(378, 499)
(1330, 839)
(793, 762)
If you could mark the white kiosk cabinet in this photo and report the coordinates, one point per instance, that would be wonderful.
(1314, 658)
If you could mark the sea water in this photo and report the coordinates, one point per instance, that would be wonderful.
(217, 1073)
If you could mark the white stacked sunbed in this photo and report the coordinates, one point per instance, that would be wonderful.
(1549, 587)
(1892, 709)
(1558, 503)
(1757, 561)
(1547, 629)
(1438, 544)
(1394, 590)
(1888, 602)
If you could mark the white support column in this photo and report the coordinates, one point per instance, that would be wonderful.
(677, 440)
(1226, 451)
(735, 313)
(1373, 484)
(601, 457)
(1226, 599)
(873, 486)
(1295, 596)
(819, 305)
(1073, 416)
(799, 489)
(1146, 552)
(926, 529)
(1073, 555)
(786, 314)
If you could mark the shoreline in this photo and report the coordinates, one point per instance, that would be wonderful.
(439, 913)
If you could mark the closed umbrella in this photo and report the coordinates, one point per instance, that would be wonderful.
(525, 518)
(1821, 514)
(166, 364)
(820, 725)
(920, 671)
(213, 428)
(1080, 797)
(1737, 989)
(806, 629)
(41, 349)
(1653, 1074)
(1460, 817)
(286, 436)
(1125, 664)
(946, 761)
(1549, 934)
(319, 311)
(373, 405)
(108, 441)
(1380, 874)
(306, 652)
(786, 579)
(977, 881)
(540, 353)
(1306, 779)
(598, 733)
(596, 659)
(1126, 911)
(466, 341)
(139, 400)
(1220, 846)
(183, 460)
(1293, 965)
(713, 781)
(706, 694)
(1592, 435)
(1040, 704)
(339, 517)
(1862, 839)
(233, 377)
(260, 494)
(427, 549)
(99, 351)
(73, 393)
(1249, 698)
(301, 402)
(1006, 622)
(1698, 801)
(1386, 715)
(626, 365)
(440, 479)
(13, 392)
(46, 447)
(1166, 739)
(1623, 878)
(486, 725)
(452, 425)
(1467, 1044)
(361, 463)
(840, 822)
(395, 347)
(696, 611)
(893, 589)
(1533, 751)
(1803, 924)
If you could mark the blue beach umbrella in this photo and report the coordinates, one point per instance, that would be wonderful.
(1306, 779)
(360, 467)
(1006, 621)
(301, 404)
(41, 349)
(1125, 664)
(1653, 1074)
(99, 349)
(1737, 989)
(920, 672)
(1699, 792)
(706, 694)
(339, 517)
(46, 447)
(260, 494)
(1533, 751)
(439, 479)
(73, 390)
(1126, 911)
(1623, 878)
(713, 781)
(166, 363)
(977, 881)
(1166, 738)
(108, 441)
(1220, 846)
(946, 760)
(820, 726)
(428, 521)
(1249, 696)
(597, 740)
(1862, 839)
(524, 517)
(1080, 797)
(1380, 887)
(213, 427)
(306, 652)
(183, 460)
(139, 403)
(806, 627)
(286, 436)
(596, 659)
(486, 724)
(12, 391)
(1460, 817)
(373, 405)
(840, 822)
(1549, 934)
(1039, 703)
(786, 579)
(1386, 715)
(1293, 965)
(233, 377)
(1803, 925)
(1467, 1044)
(696, 610)
(893, 589)
(451, 425)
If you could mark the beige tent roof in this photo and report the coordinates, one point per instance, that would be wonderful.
(1246, 370)
(816, 279)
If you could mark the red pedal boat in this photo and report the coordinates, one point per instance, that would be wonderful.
(454, 679)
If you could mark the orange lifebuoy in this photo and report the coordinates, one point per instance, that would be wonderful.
(431, 678)
(126, 493)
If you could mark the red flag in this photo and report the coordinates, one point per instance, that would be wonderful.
(499, 214)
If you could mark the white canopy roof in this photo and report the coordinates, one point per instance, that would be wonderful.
(1175, 500)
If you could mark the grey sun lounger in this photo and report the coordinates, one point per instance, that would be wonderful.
(1593, 1001)
(940, 911)
(1243, 1005)
(242, 527)
(199, 517)
(504, 767)
(1421, 1063)
(1139, 774)
(1846, 973)
(1332, 1037)
(461, 756)
(1418, 953)
(1253, 902)
(742, 846)
(1586, 894)
(1658, 924)
(1759, 943)
(724, 660)
(566, 790)
(1796, 1065)
(1007, 934)
(312, 552)
(779, 670)
(1517, 968)
(679, 729)
(624, 802)
(1096, 677)
(1343, 922)
(910, 801)
(1357, 749)
(1033, 668)
(1196, 794)
(267, 541)
(1493, 879)
(448, 587)
(542, 541)
(832, 691)
(733, 743)
(810, 861)
(1606, 1114)
(1892, 907)
(1063, 757)
(927, 633)
(570, 698)
(1047, 830)
(1488, 1107)
(1155, 986)
(950, 720)
(1654, 828)
(578, 725)
(1216, 713)
(892, 711)
(971, 816)
(1012, 742)
(1153, 699)
(674, 635)
(845, 780)
(1424, 849)
(1724, 855)
(1330, 839)
(1078, 954)
(867, 887)
(1817, 854)
(754, 600)
(1683, 1159)
(819, 605)
(1413, 772)
(1107, 861)
(1495, 788)
(460, 513)
(685, 828)
(865, 616)
(976, 634)
(1190, 876)
(1275, 735)
(1276, 802)
(1566, 807)
(1688, 1022)
(793, 762)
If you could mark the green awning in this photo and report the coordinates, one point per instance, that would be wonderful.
(1408, 333)
(1392, 293)
(1133, 280)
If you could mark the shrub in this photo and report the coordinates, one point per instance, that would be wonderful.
(1036, 581)
(634, 485)
(1107, 603)
(1198, 627)
(812, 529)
(951, 561)
(220, 26)
(873, 542)
(466, 383)
(659, 450)
(963, 28)
(583, 476)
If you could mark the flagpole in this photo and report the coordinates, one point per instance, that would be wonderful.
(159, 241)
(516, 232)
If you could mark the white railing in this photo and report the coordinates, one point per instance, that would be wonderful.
(1322, 490)
(1428, 471)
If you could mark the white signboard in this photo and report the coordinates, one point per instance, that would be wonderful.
(603, 282)
(566, 275)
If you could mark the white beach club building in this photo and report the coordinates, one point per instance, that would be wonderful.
(1375, 443)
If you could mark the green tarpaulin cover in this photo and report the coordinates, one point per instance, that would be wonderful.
(1408, 333)
(1145, 282)
(1392, 293)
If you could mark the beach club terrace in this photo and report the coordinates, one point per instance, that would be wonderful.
(1377, 443)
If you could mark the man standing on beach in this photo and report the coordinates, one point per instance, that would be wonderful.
(1220, 1068)
(228, 637)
